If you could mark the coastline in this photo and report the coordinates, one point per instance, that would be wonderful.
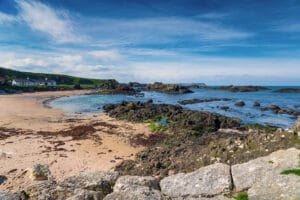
(32, 133)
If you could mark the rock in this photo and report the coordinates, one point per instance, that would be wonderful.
(232, 88)
(169, 88)
(94, 185)
(240, 103)
(2, 179)
(194, 101)
(224, 108)
(263, 178)
(40, 172)
(208, 181)
(135, 195)
(297, 125)
(219, 197)
(136, 187)
(13, 196)
(128, 183)
(288, 90)
(184, 120)
(275, 108)
(256, 104)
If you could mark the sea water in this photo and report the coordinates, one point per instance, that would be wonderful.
(248, 113)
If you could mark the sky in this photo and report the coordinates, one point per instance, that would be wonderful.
(217, 42)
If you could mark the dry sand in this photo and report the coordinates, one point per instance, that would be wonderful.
(22, 116)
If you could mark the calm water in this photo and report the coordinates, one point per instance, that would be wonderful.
(248, 113)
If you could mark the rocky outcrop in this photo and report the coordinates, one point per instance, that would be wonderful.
(208, 181)
(194, 101)
(86, 186)
(232, 88)
(169, 88)
(182, 121)
(277, 110)
(263, 179)
(119, 89)
(288, 90)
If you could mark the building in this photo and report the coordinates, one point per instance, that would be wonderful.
(29, 82)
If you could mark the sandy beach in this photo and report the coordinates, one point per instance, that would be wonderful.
(31, 133)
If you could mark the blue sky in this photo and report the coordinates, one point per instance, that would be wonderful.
(211, 41)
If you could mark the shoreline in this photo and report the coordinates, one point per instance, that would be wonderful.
(36, 134)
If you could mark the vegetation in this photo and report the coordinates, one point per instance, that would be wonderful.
(160, 125)
(268, 129)
(291, 171)
(63, 82)
(241, 196)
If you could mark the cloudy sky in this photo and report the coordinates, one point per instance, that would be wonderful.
(211, 41)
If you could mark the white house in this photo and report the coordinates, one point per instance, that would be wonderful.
(29, 82)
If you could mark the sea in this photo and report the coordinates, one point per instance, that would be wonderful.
(248, 114)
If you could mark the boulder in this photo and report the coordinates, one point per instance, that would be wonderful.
(13, 196)
(40, 172)
(256, 104)
(208, 181)
(94, 185)
(263, 177)
(135, 187)
(2, 179)
(240, 103)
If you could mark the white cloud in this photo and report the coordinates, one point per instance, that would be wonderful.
(106, 55)
(5, 18)
(45, 19)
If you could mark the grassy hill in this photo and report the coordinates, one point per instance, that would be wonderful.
(62, 81)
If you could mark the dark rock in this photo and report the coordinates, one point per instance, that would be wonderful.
(119, 89)
(288, 90)
(169, 88)
(224, 108)
(183, 121)
(240, 103)
(256, 104)
(2, 179)
(232, 88)
(194, 101)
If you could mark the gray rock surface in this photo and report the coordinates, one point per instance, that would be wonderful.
(88, 186)
(12, 196)
(263, 179)
(40, 172)
(136, 188)
(297, 126)
(208, 181)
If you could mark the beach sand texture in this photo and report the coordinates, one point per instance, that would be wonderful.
(31, 133)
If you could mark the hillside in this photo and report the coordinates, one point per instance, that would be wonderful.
(61, 80)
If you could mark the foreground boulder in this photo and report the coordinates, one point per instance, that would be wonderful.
(13, 196)
(263, 179)
(86, 186)
(208, 181)
(135, 188)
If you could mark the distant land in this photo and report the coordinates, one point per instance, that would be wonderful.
(62, 81)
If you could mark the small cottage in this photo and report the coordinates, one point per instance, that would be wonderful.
(29, 82)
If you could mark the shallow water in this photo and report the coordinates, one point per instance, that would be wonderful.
(248, 113)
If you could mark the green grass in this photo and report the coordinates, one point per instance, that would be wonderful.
(268, 129)
(241, 196)
(291, 171)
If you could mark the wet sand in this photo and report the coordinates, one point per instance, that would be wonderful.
(31, 133)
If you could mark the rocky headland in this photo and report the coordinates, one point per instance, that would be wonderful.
(168, 88)
(232, 88)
